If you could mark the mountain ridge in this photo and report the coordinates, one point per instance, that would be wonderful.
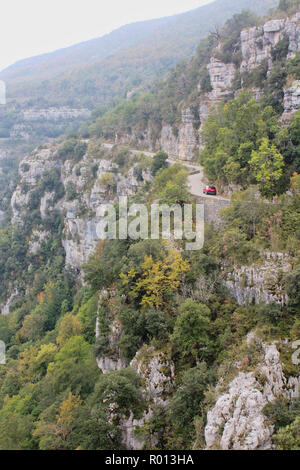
(119, 56)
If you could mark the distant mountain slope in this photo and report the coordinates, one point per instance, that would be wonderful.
(96, 71)
(53, 63)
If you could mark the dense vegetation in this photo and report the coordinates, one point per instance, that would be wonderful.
(161, 297)
(241, 136)
(52, 394)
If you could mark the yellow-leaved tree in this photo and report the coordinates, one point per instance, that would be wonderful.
(157, 278)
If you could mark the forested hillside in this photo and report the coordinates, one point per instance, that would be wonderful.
(99, 70)
(140, 343)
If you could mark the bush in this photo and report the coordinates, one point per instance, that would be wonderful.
(159, 161)
(191, 332)
(186, 402)
(138, 328)
(71, 191)
(292, 283)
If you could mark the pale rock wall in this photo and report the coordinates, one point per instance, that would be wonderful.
(55, 114)
(257, 42)
(5, 308)
(115, 361)
(152, 365)
(2, 215)
(291, 100)
(157, 373)
(80, 232)
(81, 215)
(261, 283)
(221, 77)
(183, 146)
(47, 203)
(36, 240)
(253, 49)
(35, 166)
(237, 421)
(21, 131)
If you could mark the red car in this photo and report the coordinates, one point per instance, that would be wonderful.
(211, 190)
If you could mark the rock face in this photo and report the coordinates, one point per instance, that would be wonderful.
(31, 170)
(42, 124)
(21, 131)
(5, 308)
(82, 216)
(257, 42)
(291, 100)
(260, 283)
(55, 114)
(36, 240)
(188, 142)
(253, 50)
(157, 373)
(221, 77)
(184, 145)
(237, 421)
(114, 361)
(80, 211)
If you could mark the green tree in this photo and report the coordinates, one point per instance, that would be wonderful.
(186, 402)
(267, 165)
(288, 438)
(159, 161)
(191, 331)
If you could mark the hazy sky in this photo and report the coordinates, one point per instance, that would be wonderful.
(31, 27)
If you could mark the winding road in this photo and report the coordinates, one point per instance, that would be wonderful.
(196, 179)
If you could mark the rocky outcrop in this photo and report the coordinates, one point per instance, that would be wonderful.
(55, 114)
(21, 131)
(82, 215)
(237, 421)
(79, 209)
(31, 169)
(261, 283)
(291, 100)
(2, 216)
(114, 361)
(257, 42)
(254, 51)
(36, 240)
(184, 145)
(221, 77)
(157, 373)
(205, 105)
(6, 307)
(3, 154)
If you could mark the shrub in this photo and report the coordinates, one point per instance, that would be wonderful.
(159, 162)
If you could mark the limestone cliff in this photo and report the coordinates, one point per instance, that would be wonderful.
(237, 421)
(262, 282)
(258, 42)
(76, 194)
(183, 141)
(157, 373)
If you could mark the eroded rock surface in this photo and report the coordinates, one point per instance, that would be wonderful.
(237, 421)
